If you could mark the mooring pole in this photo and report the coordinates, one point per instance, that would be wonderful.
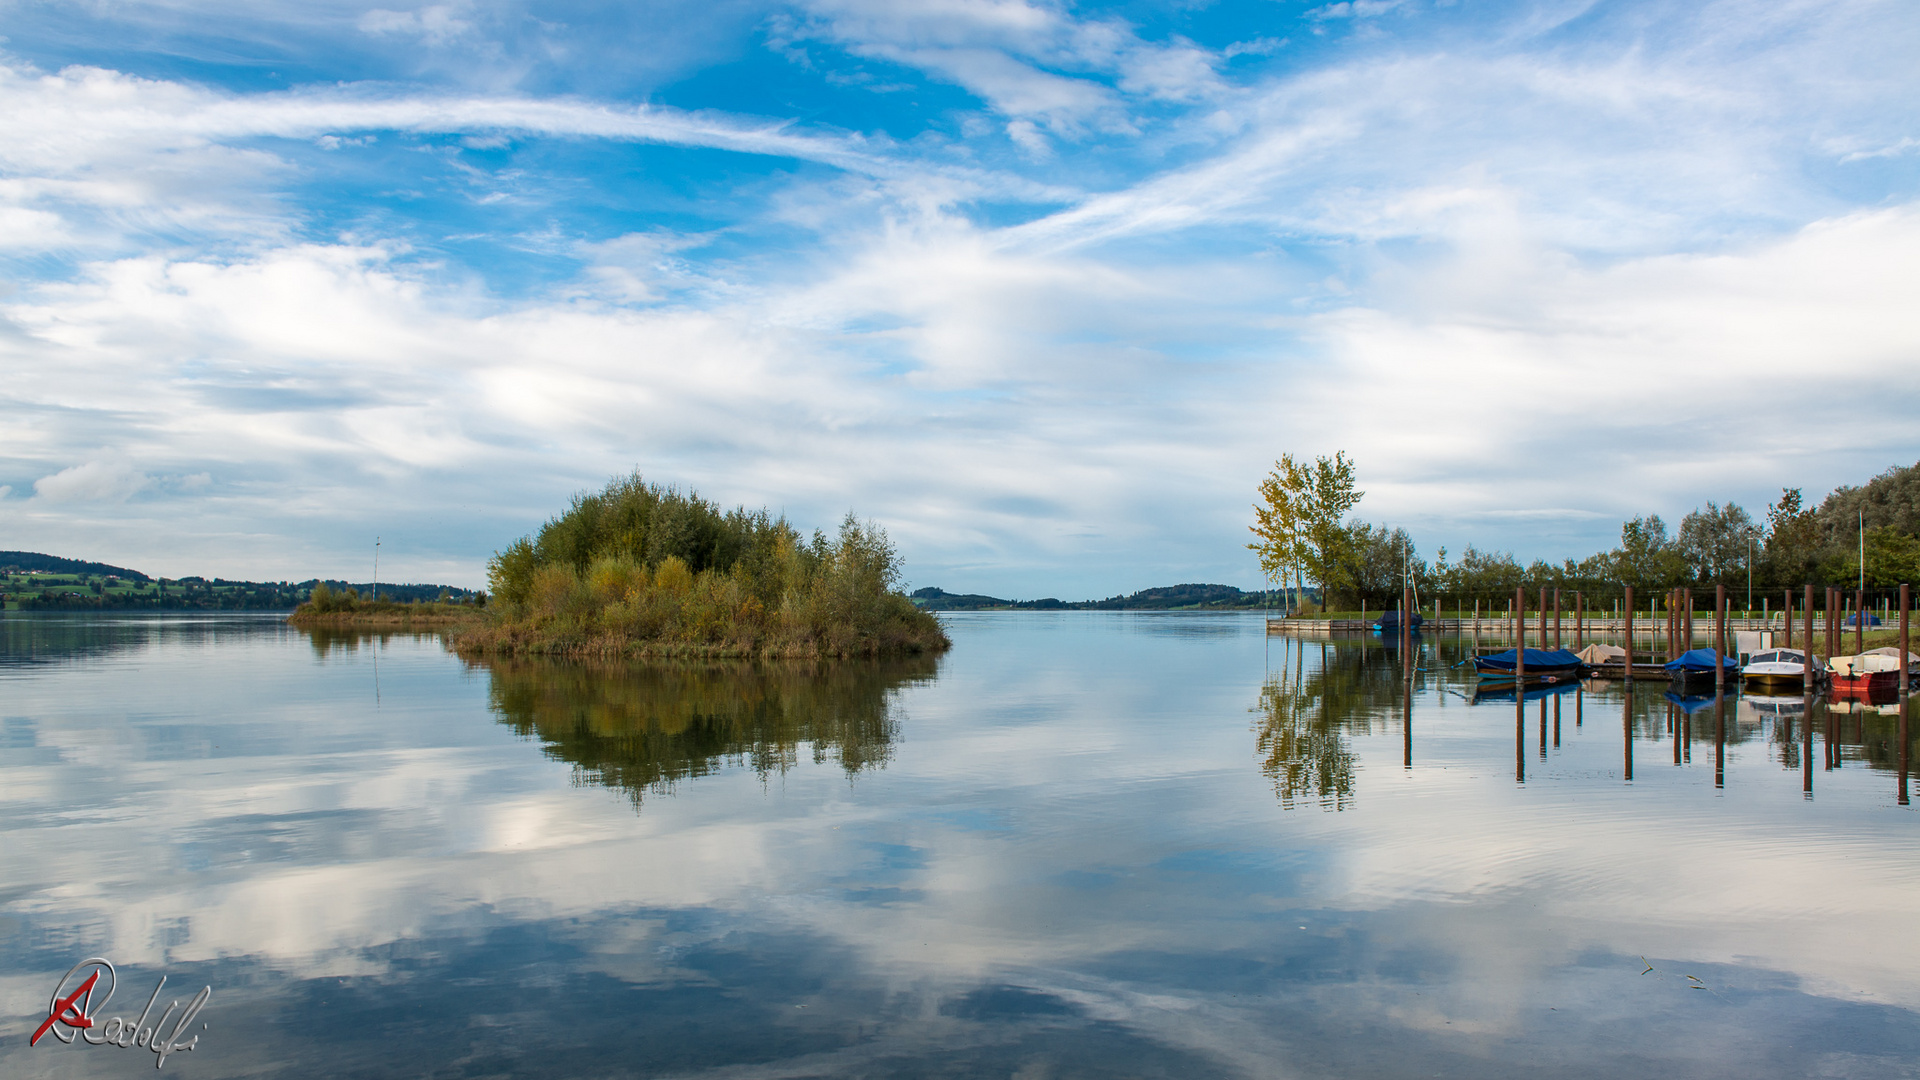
(1579, 620)
(1520, 649)
(1905, 600)
(1787, 613)
(1628, 607)
(1719, 639)
(1556, 618)
(1806, 616)
(1543, 618)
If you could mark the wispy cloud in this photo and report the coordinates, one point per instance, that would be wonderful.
(1050, 336)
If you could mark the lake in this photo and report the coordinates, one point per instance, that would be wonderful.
(1082, 844)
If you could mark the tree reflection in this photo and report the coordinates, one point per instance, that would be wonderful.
(1306, 717)
(642, 728)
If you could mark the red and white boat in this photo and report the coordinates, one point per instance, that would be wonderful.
(1875, 669)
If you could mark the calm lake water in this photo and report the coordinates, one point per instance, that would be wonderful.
(1080, 845)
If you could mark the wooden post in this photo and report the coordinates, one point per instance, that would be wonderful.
(1905, 599)
(1686, 644)
(1520, 649)
(1556, 618)
(1628, 607)
(1806, 617)
(1787, 611)
(1579, 621)
(1719, 639)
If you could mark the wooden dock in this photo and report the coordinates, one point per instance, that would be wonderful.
(1642, 626)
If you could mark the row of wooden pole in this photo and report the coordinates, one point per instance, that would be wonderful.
(1680, 611)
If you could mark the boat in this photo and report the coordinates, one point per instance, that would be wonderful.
(1779, 668)
(1876, 669)
(1695, 668)
(1389, 623)
(1542, 665)
(1598, 655)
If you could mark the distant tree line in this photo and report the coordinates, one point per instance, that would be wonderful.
(1790, 545)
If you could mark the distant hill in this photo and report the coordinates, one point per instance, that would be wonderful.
(30, 581)
(27, 562)
(1162, 598)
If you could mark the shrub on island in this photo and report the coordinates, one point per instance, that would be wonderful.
(327, 606)
(639, 569)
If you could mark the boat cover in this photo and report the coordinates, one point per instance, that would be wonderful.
(1537, 660)
(1602, 654)
(1696, 660)
(1391, 621)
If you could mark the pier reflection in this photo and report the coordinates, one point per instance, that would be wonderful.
(642, 728)
(1326, 697)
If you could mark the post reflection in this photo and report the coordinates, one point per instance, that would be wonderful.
(1626, 729)
(1903, 737)
(1315, 710)
(1719, 740)
(1806, 747)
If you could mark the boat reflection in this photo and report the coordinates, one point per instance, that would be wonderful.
(642, 728)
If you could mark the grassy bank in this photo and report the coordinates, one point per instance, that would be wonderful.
(327, 608)
(638, 570)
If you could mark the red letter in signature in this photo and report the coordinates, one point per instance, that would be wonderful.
(63, 1011)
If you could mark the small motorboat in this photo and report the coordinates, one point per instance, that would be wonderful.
(1542, 666)
(1695, 668)
(1875, 669)
(1779, 668)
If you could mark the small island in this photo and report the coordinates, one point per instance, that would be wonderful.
(644, 570)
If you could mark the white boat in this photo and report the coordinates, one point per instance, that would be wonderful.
(1773, 667)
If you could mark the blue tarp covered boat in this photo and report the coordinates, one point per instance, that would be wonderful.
(1696, 665)
(1543, 665)
(1390, 623)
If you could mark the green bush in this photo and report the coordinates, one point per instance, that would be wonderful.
(638, 567)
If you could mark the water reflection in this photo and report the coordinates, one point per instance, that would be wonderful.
(1324, 694)
(642, 728)
(1307, 710)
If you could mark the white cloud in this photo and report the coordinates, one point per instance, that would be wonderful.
(92, 481)
(1027, 61)
(434, 25)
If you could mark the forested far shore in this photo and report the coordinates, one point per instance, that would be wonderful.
(37, 590)
(1857, 537)
(639, 569)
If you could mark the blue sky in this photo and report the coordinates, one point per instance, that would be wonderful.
(1042, 288)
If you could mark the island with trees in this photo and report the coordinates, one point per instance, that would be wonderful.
(639, 569)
